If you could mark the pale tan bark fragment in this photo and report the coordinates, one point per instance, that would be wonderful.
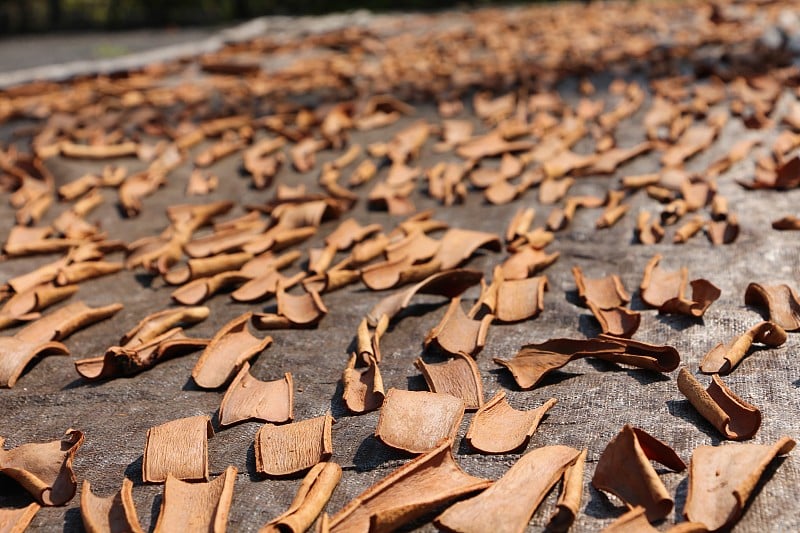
(248, 398)
(196, 506)
(112, 514)
(18, 520)
(780, 302)
(723, 358)
(457, 332)
(569, 501)
(457, 377)
(313, 494)
(417, 421)
(178, 448)
(291, 448)
(499, 428)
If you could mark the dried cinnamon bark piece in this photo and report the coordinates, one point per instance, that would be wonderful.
(24, 306)
(292, 448)
(266, 285)
(510, 502)
(457, 332)
(350, 232)
(304, 310)
(666, 290)
(248, 398)
(39, 338)
(23, 241)
(98, 151)
(789, 222)
(499, 428)
(617, 321)
(526, 262)
(363, 386)
(458, 245)
(85, 270)
(231, 347)
(648, 232)
(688, 230)
(206, 266)
(198, 291)
(635, 521)
(112, 514)
(780, 302)
(416, 246)
(178, 448)
(44, 469)
(655, 357)
(569, 501)
(154, 324)
(391, 274)
(137, 187)
(198, 506)
(606, 292)
(624, 470)
(732, 416)
(428, 482)
(313, 494)
(723, 478)
(512, 300)
(18, 520)
(723, 358)
(723, 231)
(457, 377)
(417, 421)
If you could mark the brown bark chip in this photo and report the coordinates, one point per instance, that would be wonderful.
(196, 506)
(732, 416)
(779, 301)
(44, 469)
(426, 483)
(667, 290)
(248, 398)
(231, 347)
(18, 520)
(418, 421)
(313, 494)
(723, 358)
(512, 300)
(624, 470)
(723, 478)
(606, 292)
(635, 521)
(569, 501)
(509, 503)
(154, 324)
(457, 377)
(458, 245)
(112, 514)
(499, 428)
(618, 321)
(291, 448)
(178, 448)
(363, 385)
(457, 332)
(24, 306)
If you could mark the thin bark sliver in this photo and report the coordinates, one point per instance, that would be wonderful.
(178, 448)
(112, 514)
(723, 478)
(780, 302)
(44, 469)
(196, 506)
(160, 322)
(363, 386)
(457, 377)
(224, 356)
(723, 358)
(624, 470)
(418, 421)
(509, 503)
(291, 448)
(499, 428)
(18, 520)
(313, 494)
(426, 483)
(248, 398)
(732, 416)
(569, 501)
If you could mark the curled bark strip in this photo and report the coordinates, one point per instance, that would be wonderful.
(23, 241)
(265, 285)
(18, 520)
(732, 416)
(207, 266)
(391, 274)
(137, 187)
(178, 448)
(350, 232)
(458, 245)
(313, 494)
(199, 290)
(40, 276)
(428, 482)
(416, 246)
(520, 223)
(499, 428)
(551, 191)
(533, 361)
(260, 264)
(655, 357)
(291, 448)
(457, 377)
(450, 283)
(624, 470)
(44, 469)
(199, 506)
(159, 322)
(618, 321)
(363, 386)
(527, 262)
(112, 514)
(722, 479)
(248, 398)
(666, 290)
(510, 502)
(98, 151)
(569, 501)
(635, 521)
(704, 293)
(787, 223)
(688, 230)
(303, 310)
(648, 232)
(224, 240)
(331, 280)
(231, 347)
(457, 332)
(418, 421)
(606, 292)
(120, 362)
(25, 305)
(723, 231)
(512, 300)
(723, 358)
(779, 301)
(82, 271)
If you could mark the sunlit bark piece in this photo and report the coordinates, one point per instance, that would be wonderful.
(44, 469)
(499, 428)
(428, 482)
(722, 480)
(313, 494)
(780, 302)
(635, 521)
(350, 232)
(23, 240)
(112, 514)
(512, 300)
(17, 520)
(265, 285)
(569, 501)
(732, 416)
(458, 245)
(510, 502)
(295, 447)
(457, 332)
(418, 421)
(648, 232)
(231, 347)
(196, 506)
(527, 262)
(363, 385)
(606, 292)
(617, 321)
(723, 358)
(789, 222)
(85, 270)
(25, 306)
(457, 377)
(138, 186)
(178, 448)
(667, 290)
(391, 274)
(248, 398)
(206, 266)
(98, 151)
(303, 310)
(624, 470)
